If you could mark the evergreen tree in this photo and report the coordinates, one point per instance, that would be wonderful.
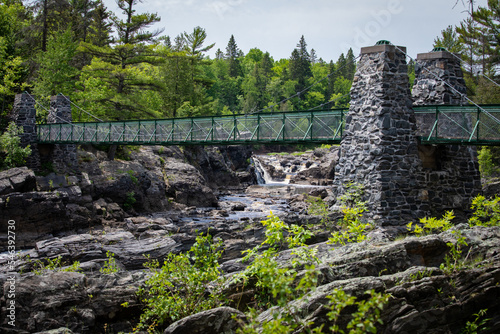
(233, 55)
(300, 65)
(116, 67)
(100, 28)
(449, 40)
(350, 65)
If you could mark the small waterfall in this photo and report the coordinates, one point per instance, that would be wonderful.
(263, 176)
(260, 172)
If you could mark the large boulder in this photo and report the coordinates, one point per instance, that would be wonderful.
(186, 184)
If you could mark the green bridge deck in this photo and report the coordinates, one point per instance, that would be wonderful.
(435, 125)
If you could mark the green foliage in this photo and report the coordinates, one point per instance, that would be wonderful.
(129, 200)
(453, 260)
(110, 266)
(367, 315)
(486, 164)
(40, 267)
(276, 285)
(478, 325)
(432, 225)
(354, 228)
(10, 144)
(318, 207)
(185, 284)
(486, 211)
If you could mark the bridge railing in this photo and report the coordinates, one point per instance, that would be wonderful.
(292, 127)
(458, 124)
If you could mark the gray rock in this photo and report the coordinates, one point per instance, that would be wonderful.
(19, 179)
(222, 320)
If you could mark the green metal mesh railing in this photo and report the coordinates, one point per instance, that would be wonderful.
(290, 127)
(469, 125)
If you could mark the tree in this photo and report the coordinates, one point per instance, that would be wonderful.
(300, 64)
(350, 65)
(232, 56)
(100, 28)
(10, 145)
(12, 67)
(449, 40)
(118, 67)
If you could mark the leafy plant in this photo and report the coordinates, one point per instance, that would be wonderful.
(318, 207)
(486, 164)
(185, 284)
(129, 200)
(432, 225)
(366, 317)
(478, 325)
(110, 266)
(40, 267)
(486, 211)
(453, 260)
(354, 228)
(10, 144)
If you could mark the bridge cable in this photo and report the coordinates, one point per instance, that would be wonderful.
(331, 101)
(48, 111)
(484, 75)
(452, 88)
(305, 89)
(100, 120)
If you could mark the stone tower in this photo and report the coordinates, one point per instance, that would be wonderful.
(379, 147)
(451, 172)
(62, 157)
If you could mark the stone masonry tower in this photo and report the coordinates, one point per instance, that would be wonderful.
(379, 148)
(62, 157)
(451, 172)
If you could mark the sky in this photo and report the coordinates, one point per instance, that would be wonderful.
(330, 27)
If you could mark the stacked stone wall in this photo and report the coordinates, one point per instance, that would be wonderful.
(379, 147)
(453, 177)
(63, 157)
(24, 115)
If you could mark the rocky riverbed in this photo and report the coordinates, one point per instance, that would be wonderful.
(156, 201)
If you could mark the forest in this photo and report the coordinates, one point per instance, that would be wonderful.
(122, 66)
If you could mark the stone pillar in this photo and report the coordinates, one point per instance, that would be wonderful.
(435, 72)
(24, 115)
(379, 147)
(63, 157)
(451, 172)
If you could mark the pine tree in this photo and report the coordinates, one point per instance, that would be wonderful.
(233, 55)
(350, 66)
(115, 66)
(300, 65)
(100, 28)
(449, 40)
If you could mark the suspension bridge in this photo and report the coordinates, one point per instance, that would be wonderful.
(467, 125)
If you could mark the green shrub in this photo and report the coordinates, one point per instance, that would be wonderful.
(40, 267)
(129, 200)
(185, 284)
(486, 211)
(486, 165)
(110, 266)
(10, 144)
(432, 224)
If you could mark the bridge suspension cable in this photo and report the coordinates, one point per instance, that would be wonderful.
(306, 89)
(95, 117)
(482, 74)
(47, 110)
(452, 88)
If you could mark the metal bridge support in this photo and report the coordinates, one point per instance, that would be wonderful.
(451, 172)
(379, 148)
(24, 115)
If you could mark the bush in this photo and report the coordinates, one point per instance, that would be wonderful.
(10, 144)
(185, 284)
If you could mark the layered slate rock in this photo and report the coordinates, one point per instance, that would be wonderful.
(451, 172)
(379, 147)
